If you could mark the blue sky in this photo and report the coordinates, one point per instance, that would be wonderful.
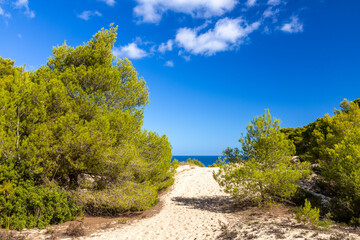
(210, 65)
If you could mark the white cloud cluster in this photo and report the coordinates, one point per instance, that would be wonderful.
(168, 46)
(131, 51)
(294, 26)
(109, 2)
(250, 3)
(86, 15)
(270, 12)
(25, 4)
(210, 37)
(226, 34)
(152, 10)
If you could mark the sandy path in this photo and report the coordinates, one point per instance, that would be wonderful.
(192, 209)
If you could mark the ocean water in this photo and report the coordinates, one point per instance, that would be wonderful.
(206, 160)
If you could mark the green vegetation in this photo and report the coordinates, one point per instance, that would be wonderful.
(219, 162)
(71, 138)
(263, 169)
(71, 142)
(266, 171)
(308, 214)
(194, 162)
(333, 142)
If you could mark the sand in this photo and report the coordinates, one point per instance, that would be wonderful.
(192, 209)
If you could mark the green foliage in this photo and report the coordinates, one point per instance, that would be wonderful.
(308, 139)
(219, 162)
(35, 206)
(175, 164)
(316, 201)
(308, 214)
(194, 162)
(79, 116)
(232, 155)
(267, 172)
(116, 199)
(340, 164)
(334, 143)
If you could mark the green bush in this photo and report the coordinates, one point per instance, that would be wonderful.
(302, 195)
(219, 162)
(116, 199)
(308, 214)
(194, 162)
(340, 163)
(266, 172)
(174, 165)
(31, 206)
(334, 143)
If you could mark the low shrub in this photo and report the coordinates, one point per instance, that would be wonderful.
(35, 206)
(116, 199)
(219, 162)
(301, 196)
(194, 162)
(308, 214)
(253, 182)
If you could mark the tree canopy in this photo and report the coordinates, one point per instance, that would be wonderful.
(74, 127)
(267, 172)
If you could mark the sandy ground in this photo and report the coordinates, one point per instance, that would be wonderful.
(195, 207)
(192, 209)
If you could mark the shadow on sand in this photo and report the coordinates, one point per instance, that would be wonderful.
(218, 204)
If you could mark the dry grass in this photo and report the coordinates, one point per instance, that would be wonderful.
(75, 230)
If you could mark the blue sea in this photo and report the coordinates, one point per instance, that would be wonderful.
(206, 160)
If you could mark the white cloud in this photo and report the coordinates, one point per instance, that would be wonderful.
(274, 2)
(169, 63)
(250, 3)
(168, 46)
(130, 51)
(226, 34)
(4, 14)
(186, 57)
(109, 2)
(19, 35)
(270, 12)
(21, 3)
(152, 10)
(25, 4)
(294, 26)
(86, 15)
